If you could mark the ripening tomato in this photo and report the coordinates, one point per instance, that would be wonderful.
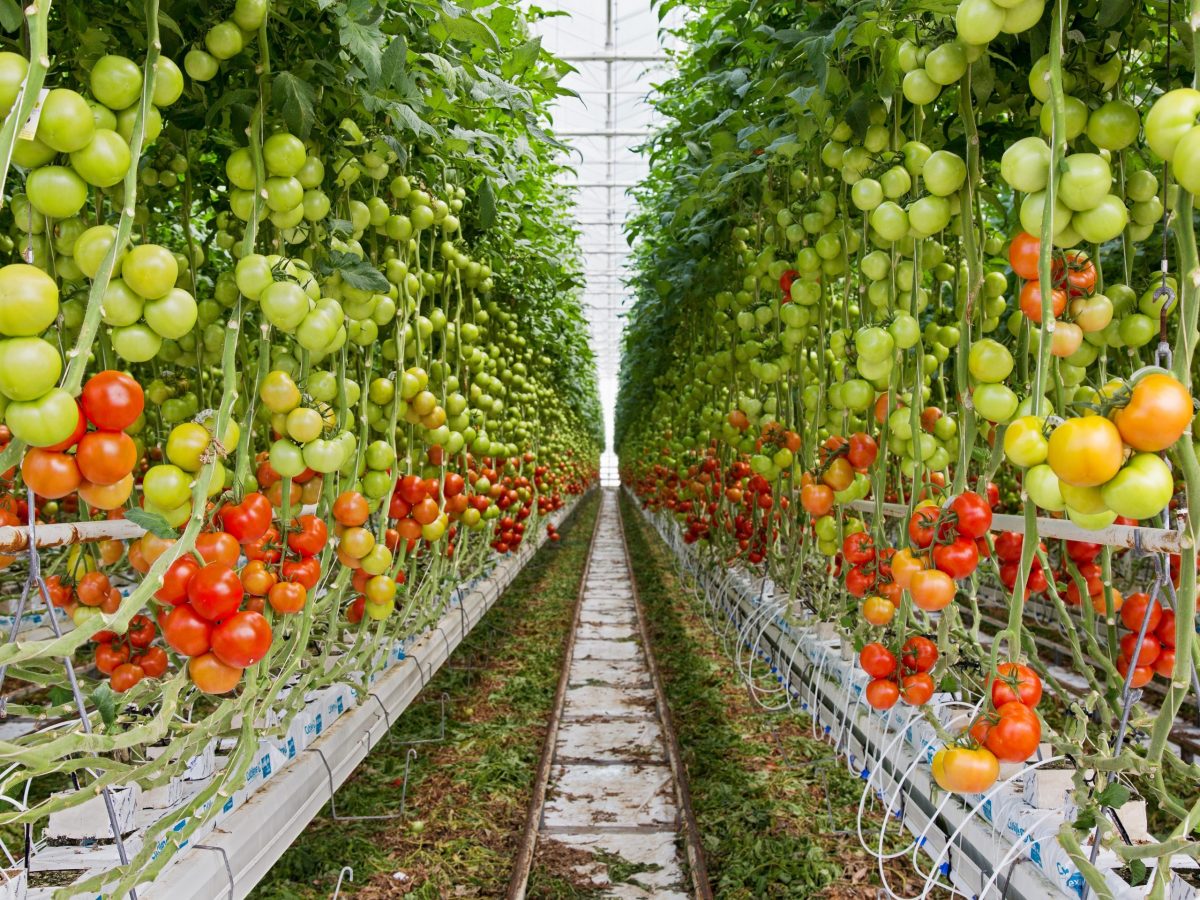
(49, 474)
(1158, 412)
(904, 565)
(1086, 451)
(211, 675)
(965, 770)
(92, 589)
(863, 451)
(287, 597)
(218, 547)
(817, 499)
(257, 579)
(351, 509)
(878, 610)
(1023, 255)
(877, 660)
(1016, 682)
(839, 475)
(1078, 271)
(932, 589)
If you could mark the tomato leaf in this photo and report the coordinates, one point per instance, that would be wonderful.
(1112, 11)
(10, 15)
(462, 26)
(487, 204)
(1085, 821)
(393, 61)
(358, 273)
(153, 522)
(294, 98)
(106, 703)
(365, 44)
(523, 57)
(1137, 872)
(1114, 796)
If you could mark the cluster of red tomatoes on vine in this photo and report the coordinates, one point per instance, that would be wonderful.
(96, 462)
(906, 679)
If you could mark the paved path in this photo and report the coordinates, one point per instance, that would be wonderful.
(611, 789)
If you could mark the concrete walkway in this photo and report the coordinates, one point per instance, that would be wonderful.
(611, 791)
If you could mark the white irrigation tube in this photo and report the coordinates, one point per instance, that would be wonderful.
(974, 811)
(1016, 849)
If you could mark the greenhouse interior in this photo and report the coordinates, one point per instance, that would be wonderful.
(579, 449)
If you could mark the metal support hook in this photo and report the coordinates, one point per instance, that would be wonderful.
(408, 758)
(347, 873)
(441, 736)
(225, 859)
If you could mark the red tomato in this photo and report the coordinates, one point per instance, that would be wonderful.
(920, 654)
(186, 631)
(141, 631)
(921, 527)
(175, 580)
(218, 547)
(1023, 255)
(859, 581)
(242, 639)
(877, 660)
(153, 661)
(304, 571)
(1012, 733)
(916, 689)
(1133, 611)
(112, 400)
(882, 693)
(974, 515)
(1016, 682)
(246, 521)
(1147, 653)
(109, 656)
(308, 535)
(215, 591)
(858, 548)
(958, 559)
(1008, 546)
(126, 676)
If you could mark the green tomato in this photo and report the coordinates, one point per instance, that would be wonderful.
(1025, 165)
(1114, 125)
(28, 300)
(136, 343)
(945, 172)
(1142, 489)
(47, 420)
(1172, 116)
(56, 191)
(1086, 180)
(166, 486)
(66, 123)
(104, 161)
(1043, 488)
(116, 82)
(989, 361)
(995, 402)
(150, 270)
(978, 22)
(29, 367)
